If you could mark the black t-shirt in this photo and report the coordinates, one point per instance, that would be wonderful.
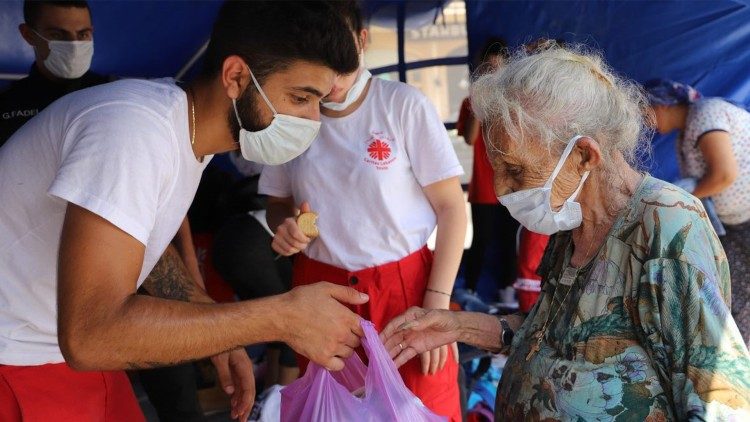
(26, 97)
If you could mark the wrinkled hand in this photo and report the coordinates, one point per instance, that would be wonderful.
(235, 372)
(434, 360)
(419, 330)
(318, 326)
(289, 238)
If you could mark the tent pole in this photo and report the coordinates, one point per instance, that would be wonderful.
(192, 61)
(12, 76)
(400, 19)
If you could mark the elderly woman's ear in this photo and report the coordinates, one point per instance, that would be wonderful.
(585, 157)
(590, 153)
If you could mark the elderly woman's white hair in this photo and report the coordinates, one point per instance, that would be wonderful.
(550, 95)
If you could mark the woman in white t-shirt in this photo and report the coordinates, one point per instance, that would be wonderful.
(714, 151)
(381, 175)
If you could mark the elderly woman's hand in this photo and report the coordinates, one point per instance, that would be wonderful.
(434, 360)
(419, 330)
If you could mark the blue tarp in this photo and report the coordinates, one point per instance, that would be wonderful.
(138, 39)
(157, 38)
(703, 43)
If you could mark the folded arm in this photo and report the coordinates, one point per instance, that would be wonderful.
(721, 164)
(183, 241)
(170, 279)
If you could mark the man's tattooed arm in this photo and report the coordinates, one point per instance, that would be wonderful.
(170, 279)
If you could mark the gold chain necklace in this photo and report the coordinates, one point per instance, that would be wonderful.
(192, 112)
(539, 335)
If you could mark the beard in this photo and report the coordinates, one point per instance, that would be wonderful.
(247, 109)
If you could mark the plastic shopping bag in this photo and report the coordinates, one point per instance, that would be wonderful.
(356, 393)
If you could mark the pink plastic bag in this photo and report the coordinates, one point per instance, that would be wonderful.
(321, 395)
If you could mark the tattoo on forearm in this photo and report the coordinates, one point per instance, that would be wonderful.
(170, 279)
(152, 365)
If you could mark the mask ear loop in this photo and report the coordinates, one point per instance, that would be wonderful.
(580, 186)
(39, 35)
(236, 113)
(262, 94)
(260, 91)
(563, 157)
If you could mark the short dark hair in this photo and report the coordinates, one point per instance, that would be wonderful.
(32, 8)
(269, 35)
(350, 11)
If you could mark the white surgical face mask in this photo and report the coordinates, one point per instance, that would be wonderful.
(68, 59)
(283, 140)
(355, 91)
(533, 207)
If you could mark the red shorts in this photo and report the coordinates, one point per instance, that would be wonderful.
(393, 288)
(55, 392)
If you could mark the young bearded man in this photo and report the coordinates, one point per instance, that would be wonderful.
(95, 187)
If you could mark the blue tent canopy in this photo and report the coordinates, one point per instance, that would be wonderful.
(143, 39)
(160, 38)
(702, 43)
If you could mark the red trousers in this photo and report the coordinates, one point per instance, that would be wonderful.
(393, 288)
(55, 392)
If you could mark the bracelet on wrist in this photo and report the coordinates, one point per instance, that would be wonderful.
(438, 292)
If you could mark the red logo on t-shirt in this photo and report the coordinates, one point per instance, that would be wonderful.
(379, 150)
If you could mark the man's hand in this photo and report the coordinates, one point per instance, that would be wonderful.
(235, 371)
(317, 325)
(417, 331)
(170, 280)
(289, 238)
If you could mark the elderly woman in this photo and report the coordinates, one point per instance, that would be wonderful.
(714, 155)
(633, 322)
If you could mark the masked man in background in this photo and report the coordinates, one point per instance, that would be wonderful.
(62, 36)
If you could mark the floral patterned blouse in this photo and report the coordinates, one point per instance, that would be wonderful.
(644, 331)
